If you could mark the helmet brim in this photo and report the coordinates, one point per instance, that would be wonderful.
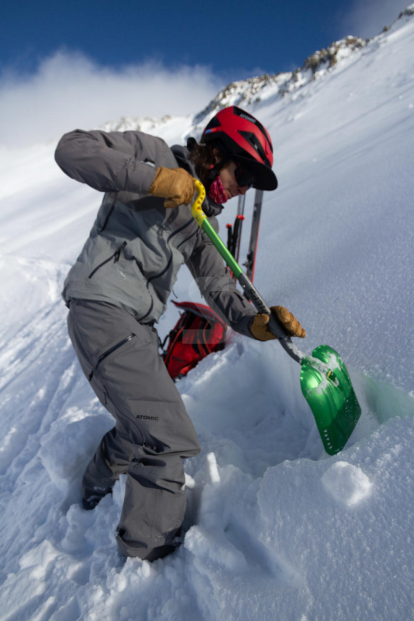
(265, 177)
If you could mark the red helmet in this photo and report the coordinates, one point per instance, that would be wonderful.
(246, 141)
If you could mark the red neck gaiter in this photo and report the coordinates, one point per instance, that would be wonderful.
(217, 192)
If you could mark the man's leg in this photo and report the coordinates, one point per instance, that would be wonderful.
(153, 428)
(110, 460)
(86, 327)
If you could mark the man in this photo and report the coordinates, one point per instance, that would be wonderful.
(118, 289)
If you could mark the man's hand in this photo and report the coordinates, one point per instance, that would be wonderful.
(261, 330)
(175, 184)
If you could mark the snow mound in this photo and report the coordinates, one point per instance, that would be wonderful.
(346, 483)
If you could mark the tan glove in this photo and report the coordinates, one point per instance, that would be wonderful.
(261, 331)
(174, 184)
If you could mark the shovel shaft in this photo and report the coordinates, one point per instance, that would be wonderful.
(325, 382)
(249, 289)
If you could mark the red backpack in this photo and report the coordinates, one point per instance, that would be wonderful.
(198, 332)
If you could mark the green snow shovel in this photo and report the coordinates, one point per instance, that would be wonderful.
(324, 380)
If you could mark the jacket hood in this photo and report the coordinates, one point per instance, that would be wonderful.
(182, 155)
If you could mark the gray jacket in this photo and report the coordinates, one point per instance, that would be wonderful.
(136, 246)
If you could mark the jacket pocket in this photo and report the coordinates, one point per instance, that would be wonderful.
(114, 256)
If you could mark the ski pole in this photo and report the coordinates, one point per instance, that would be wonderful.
(233, 237)
(240, 217)
(236, 236)
(250, 262)
(249, 289)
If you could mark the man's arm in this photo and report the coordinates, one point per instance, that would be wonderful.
(216, 286)
(110, 161)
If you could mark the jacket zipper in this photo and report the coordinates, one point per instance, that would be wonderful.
(110, 351)
(114, 256)
(171, 254)
(187, 238)
(165, 268)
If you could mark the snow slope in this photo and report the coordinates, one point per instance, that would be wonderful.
(275, 528)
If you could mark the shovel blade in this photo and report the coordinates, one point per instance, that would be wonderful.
(332, 399)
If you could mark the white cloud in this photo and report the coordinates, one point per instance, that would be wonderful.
(367, 18)
(68, 90)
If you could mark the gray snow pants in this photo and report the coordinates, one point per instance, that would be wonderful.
(153, 431)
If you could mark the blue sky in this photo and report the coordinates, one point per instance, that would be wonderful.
(231, 37)
(83, 62)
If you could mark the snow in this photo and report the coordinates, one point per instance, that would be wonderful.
(346, 483)
(274, 527)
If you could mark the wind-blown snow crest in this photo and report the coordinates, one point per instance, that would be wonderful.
(274, 527)
(254, 90)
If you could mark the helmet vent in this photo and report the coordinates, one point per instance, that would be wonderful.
(254, 141)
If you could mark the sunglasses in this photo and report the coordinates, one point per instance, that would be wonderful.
(244, 176)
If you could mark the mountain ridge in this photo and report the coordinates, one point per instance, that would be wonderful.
(248, 92)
